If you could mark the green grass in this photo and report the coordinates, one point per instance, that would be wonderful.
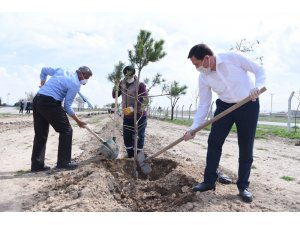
(287, 178)
(254, 167)
(275, 119)
(21, 172)
(2, 115)
(262, 149)
(262, 131)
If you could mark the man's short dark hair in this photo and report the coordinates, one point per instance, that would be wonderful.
(199, 51)
(85, 70)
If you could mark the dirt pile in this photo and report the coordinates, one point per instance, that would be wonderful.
(102, 185)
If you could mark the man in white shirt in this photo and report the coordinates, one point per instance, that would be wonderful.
(227, 75)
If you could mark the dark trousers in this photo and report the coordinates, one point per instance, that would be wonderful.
(245, 119)
(46, 110)
(128, 134)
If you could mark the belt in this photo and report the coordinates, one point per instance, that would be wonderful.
(43, 95)
(46, 96)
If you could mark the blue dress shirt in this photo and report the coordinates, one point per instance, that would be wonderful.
(62, 86)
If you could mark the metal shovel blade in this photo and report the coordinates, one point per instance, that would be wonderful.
(145, 167)
(109, 149)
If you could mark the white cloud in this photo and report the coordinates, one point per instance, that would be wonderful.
(99, 40)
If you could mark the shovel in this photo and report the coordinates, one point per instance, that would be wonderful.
(142, 161)
(109, 149)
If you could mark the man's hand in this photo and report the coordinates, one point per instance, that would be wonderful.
(78, 121)
(188, 135)
(128, 111)
(81, 123)
(42, 83)
(254, 93)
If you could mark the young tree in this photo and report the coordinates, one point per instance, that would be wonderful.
(175, 91)
(115, 77)
(145, 50)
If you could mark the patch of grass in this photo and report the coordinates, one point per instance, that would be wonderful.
(262, 149)
(287, 178)
(185, 123)
(4, 115)
(253, 167)
(21, 172)
(273, 119)
(262, 131)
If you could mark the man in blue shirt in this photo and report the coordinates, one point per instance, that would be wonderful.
(47, 109)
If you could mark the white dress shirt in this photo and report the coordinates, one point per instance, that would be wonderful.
(231, 81)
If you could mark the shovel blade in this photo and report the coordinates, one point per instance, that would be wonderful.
(110, 149)
(145, 167)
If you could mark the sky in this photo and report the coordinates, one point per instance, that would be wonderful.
(98, 34)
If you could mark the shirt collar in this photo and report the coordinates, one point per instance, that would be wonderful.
(77, 79)
(219, 59)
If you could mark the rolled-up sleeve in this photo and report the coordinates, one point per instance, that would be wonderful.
(205, 97)
(253, 67)
(69, 99)
(46, 71)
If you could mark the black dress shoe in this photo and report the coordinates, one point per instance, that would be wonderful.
(68, 166)
(223, 178)
(204, 187)
(45, 168)
(246, 195)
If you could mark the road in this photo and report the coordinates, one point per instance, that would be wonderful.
(14, 110)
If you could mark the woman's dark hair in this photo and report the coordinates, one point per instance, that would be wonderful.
(199, 51)
(129, 69)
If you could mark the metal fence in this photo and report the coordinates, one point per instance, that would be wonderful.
(182, 112)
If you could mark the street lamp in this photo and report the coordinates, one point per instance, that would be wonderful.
(8, 94)
(271, 103)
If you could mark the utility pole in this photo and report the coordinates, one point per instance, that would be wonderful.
(271, 103)
(8, 94)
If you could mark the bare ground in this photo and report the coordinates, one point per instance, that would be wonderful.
(102, 185)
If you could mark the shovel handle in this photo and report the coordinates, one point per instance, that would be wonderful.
(93, 133)
(217, 117)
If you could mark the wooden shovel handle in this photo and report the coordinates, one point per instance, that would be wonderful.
(93, 133)
(217, 117)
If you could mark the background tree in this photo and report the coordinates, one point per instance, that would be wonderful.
(156, 80)
(29, 96)
(175, 91)
(144, 51)
(0, 101)
(247, 47)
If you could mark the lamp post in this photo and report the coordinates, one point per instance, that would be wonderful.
(8, 94)
(271, 103)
